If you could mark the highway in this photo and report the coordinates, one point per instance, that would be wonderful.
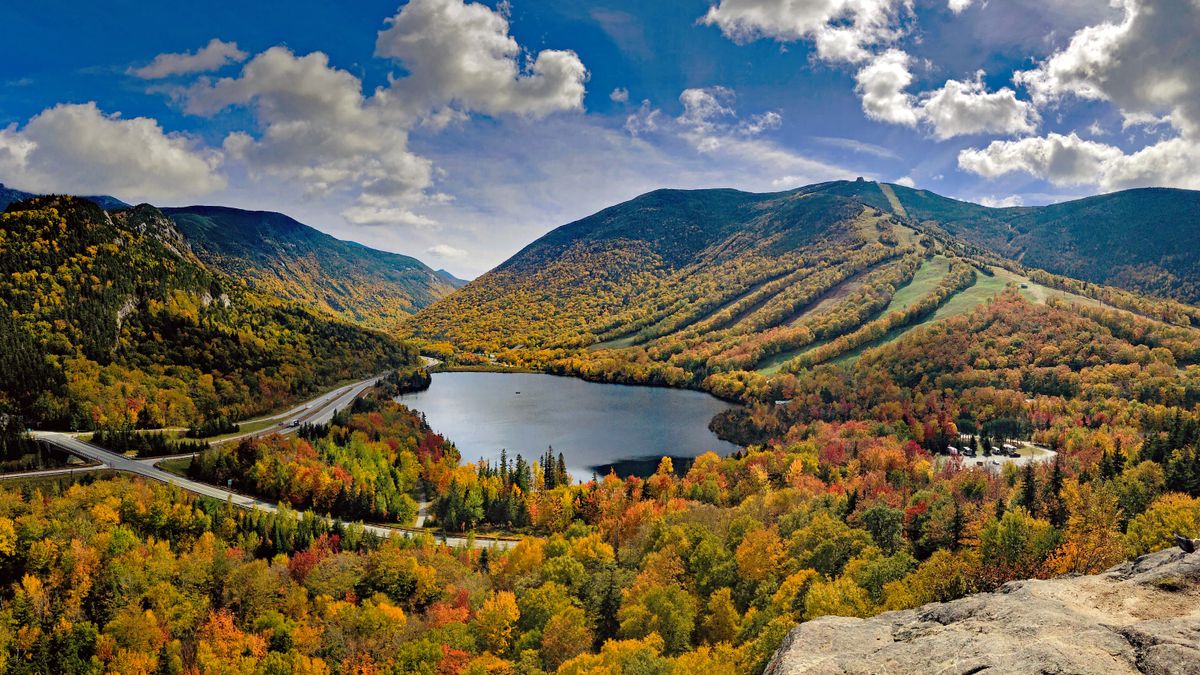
(317, 411)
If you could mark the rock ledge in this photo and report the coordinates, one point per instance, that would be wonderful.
(1142, 616)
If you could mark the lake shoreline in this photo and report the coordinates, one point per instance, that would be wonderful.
(597, 427)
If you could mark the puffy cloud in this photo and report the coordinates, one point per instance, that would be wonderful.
(318, 129)
(957, 6)
(215, 55)
(619, 95)
(757, 124)
(711, 125)
(1145, 64)
(1065, 160)
(881, 86)
(710, 109)
(78, 149)
(703, 108)
(1002, 202)
(956, 109)
(1070, 160)
(644, 120)
(461, 54)
(964, 108)
(446, 251)
(842, 30)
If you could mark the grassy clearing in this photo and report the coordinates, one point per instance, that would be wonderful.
(928, 275)
(177, 466)
(926, 279)
(618, 343)
(888, 192)
(984, 289)
(770, 366)
(245, 428)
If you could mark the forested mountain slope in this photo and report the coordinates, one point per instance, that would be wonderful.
(110, 318)
(724, 290)
(690, 267)
(1144, 240)
(286, 258)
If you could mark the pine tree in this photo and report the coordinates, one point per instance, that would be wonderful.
(1029, 490)
(957, 525)
(1057, 511)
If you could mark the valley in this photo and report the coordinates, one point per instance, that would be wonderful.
(722, 337)
(886, 414)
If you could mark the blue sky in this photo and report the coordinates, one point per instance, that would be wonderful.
(458, 132)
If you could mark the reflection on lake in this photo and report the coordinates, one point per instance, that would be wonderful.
(595, 426)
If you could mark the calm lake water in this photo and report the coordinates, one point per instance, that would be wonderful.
(595, 426)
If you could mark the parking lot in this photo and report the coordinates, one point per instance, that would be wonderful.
(1027, 451)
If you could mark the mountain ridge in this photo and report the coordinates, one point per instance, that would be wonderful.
(110, 318)
(723, 289)
(279, 254)
(107, 202)
(1140, 239)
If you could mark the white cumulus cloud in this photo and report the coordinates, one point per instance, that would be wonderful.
(1002, 202)
(77, 148)
(1145, 65)
(318, 129)
(956, 109)
(965, 108)
(882, 85)
(461, 54)
(213, 56)
(446, 251)
(842, 30)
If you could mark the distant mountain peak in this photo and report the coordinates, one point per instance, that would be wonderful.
(9, 195)
(278, 254)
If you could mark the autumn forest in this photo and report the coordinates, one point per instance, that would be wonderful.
(921, 415)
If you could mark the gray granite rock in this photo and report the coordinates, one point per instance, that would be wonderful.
(1140, 616)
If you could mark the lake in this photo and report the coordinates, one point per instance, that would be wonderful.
(595, 426)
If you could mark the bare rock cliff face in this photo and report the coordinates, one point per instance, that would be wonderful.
(1142, 616)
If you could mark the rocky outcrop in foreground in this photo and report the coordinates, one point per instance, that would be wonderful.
(1141, 616)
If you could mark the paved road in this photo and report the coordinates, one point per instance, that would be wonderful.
(423, 507)
(118, 462)
(317, 411)
(44, 473)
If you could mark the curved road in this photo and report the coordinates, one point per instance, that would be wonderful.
(318, 411)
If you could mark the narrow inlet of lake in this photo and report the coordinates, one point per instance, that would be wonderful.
(597, 427)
